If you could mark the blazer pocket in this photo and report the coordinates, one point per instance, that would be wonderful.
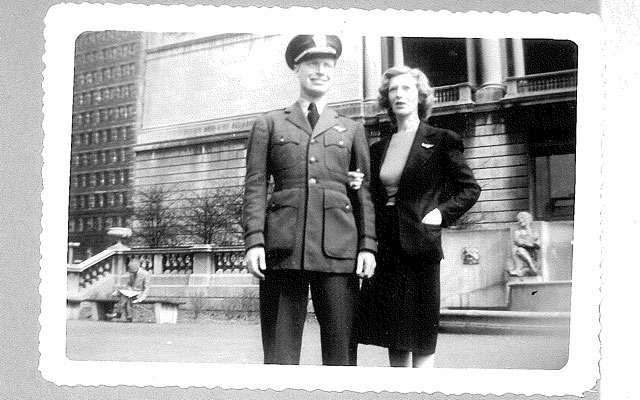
(423, 240)
(285, 150)
(340, 235)
(337, 151)
(282, 220)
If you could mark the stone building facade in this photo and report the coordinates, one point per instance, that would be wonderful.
(175, 109)
(513, 101)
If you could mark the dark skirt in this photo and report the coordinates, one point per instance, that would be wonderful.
(399, 306)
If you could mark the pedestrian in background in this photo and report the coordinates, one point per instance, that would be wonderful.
(136, 291)
(420, 183)
(313, 232)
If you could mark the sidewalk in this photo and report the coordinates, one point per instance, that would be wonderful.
(237, 341)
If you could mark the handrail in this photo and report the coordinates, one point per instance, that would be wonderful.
(96, 258)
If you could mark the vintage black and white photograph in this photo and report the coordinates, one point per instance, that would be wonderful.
(397, 195)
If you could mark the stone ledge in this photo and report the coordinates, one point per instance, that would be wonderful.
(504, 322)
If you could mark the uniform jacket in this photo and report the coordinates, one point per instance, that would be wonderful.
(436, 175)
(311, 221)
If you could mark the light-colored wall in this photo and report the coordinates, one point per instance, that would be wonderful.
(189, 79)
(479, 285)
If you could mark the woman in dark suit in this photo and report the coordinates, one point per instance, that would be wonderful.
(420, 183)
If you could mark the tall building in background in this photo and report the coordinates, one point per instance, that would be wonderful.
(105, 125)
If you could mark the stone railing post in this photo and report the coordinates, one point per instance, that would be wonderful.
(157, 263)
(203, 259)
(70, 251)
(465, 94)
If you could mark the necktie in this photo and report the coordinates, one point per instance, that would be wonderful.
(313, 115)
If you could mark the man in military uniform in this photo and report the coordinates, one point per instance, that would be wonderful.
(313, 231)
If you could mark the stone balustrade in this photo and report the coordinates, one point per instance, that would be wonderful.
(199, 259)
(539, 83)
(459, 93)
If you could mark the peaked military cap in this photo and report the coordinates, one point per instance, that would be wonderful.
(303, 46)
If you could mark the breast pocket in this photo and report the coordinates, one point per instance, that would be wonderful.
(340, 235)
(337, 147)
(285, 151)
(282, 220)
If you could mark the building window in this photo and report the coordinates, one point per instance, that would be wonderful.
(555, 180)
(552, 148)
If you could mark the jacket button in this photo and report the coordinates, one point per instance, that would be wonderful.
(313, 141)
(312, 181)
(341, 143)
(348, 207)
(312, 159)
(281, 139)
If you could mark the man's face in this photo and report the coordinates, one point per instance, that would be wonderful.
(316, 76)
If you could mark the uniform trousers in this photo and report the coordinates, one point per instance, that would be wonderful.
(283, 308)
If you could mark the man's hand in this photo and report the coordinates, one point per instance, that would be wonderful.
(434, 217)
(256, 261)
(355, 178)
(366, 264)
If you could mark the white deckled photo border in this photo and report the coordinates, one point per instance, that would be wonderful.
(65, 22)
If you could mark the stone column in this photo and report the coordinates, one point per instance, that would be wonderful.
(398, 52)
(492, 88)
(517, 53)
(471, 62)
(372, 66)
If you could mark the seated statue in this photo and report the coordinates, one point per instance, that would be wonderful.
(525, 248)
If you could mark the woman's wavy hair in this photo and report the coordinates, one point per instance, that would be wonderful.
(426, 97)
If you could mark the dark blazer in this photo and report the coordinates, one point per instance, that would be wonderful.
(436, 175)
(311, 221)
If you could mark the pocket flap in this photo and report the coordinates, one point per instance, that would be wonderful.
(284, 198)
(334, 199)
(281, 139)
(339, 139)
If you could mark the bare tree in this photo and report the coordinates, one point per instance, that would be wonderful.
(214, 216)
(156, 216)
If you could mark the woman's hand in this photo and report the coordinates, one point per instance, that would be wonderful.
(434, 217)
(355, 178)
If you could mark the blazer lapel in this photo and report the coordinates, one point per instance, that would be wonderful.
(297, 117)
(422, 148)
(328, 119)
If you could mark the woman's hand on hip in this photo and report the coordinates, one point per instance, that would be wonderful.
(434, 217)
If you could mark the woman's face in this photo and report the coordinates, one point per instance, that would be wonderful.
(403, 95)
